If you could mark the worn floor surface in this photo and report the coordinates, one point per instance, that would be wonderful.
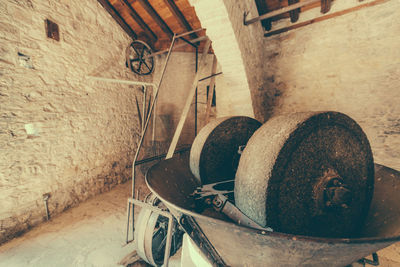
(93, 234)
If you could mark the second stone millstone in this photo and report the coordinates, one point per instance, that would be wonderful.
(307, 173)
(215, 153)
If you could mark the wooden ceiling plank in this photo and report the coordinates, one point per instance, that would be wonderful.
(180, 17)
(160, 22)
(140, 21)
(294, 14)
(118, 18)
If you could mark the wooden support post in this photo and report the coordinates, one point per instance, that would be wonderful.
(188, 102)
(211, 90)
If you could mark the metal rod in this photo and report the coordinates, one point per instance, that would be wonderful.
(187, 33)
(208, 77)
(188, 42)
(127, 225)
(144, 107)
(149, 159)
(202, 38)
(280, 11)
(186, 107)
(169, 237)
(145, 128)
(119, 81)
(195, 101)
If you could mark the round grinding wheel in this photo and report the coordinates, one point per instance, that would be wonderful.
(214, 155)
(308, 174)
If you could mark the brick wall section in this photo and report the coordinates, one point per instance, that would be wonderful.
(234, 87)
(61, 133)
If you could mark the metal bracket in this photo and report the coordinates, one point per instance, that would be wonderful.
(373, 262)
(245, 14)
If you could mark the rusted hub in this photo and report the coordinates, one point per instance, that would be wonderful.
(331, 192)
(307, 173)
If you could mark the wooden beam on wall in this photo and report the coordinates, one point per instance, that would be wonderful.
(140, 21)
(180, 17)
(322, 18)
(160, 22)
(117, 17)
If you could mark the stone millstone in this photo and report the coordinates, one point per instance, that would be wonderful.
(307, 174)
(214, 154)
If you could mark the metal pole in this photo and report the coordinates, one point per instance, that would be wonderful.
(145, 128)
(195, 101)
(187, 33)
(118, 81)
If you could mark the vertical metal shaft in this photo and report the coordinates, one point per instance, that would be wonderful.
(146, 125)
(195, 101)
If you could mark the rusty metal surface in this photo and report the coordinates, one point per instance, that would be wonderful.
(214, 154)
(308, 173)
(172, 181)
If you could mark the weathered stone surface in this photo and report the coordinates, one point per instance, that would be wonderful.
(61, 133)
(347, 64)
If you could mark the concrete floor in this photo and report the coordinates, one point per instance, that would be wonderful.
(93, 234)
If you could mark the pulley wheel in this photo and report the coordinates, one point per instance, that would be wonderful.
(151, 234)
(307, 174)
(215, 152)
(137, 58)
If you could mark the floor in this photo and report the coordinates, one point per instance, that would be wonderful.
(93, 234)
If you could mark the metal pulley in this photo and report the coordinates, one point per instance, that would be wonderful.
(215, 152)
(138, 58)
(151, 233)
(308, 174)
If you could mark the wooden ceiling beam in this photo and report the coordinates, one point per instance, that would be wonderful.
(117, 17)
(160, 22)
(139, 20)
(262, 8)
(180, 17)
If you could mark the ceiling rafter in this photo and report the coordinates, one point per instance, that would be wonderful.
(262, 8)
(153, 13)
(139, 20)
(118, 18)
(180, 17)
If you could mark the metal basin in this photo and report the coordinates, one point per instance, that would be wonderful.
(172, 181)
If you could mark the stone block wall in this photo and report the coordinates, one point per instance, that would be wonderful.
(174, 89)
(349, 64)
(61, 133)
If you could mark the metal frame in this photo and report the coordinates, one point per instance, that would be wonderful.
(133, 201)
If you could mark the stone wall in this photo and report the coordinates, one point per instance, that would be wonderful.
(174, 89)
(61, 133)
(348, 64)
